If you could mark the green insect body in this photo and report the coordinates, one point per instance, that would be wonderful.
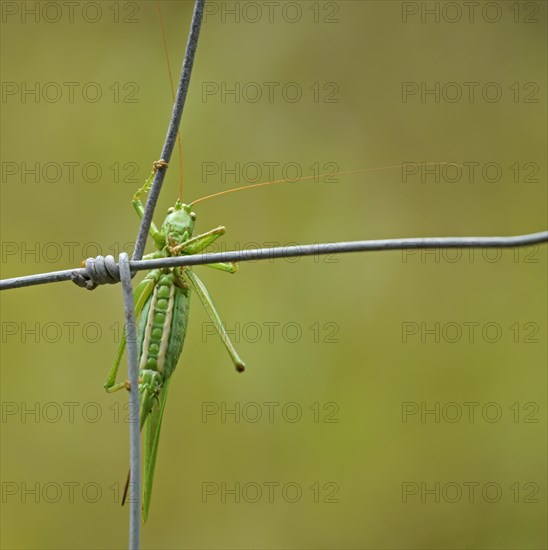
(163, 323)
(162, 302)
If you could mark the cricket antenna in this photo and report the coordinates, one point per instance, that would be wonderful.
(314, 177)
(173, 97)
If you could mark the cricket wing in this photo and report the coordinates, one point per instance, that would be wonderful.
(154, 421)
(152, 437)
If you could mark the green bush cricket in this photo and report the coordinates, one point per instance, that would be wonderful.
(161, 308)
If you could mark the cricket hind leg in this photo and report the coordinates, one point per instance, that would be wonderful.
(141, 294)
(207, 302)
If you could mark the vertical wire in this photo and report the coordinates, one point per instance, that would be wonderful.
(173, 129)
(134, 428)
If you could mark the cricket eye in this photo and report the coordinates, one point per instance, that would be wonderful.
(192, 216)
(170, 210)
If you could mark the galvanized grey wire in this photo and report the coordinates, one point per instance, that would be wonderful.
(98, 271)
(279, 252)
(173, 129)
(134, 426)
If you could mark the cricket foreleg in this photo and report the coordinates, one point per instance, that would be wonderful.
(138, 205)
(199, 243)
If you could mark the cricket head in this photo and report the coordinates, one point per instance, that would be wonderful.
(179, 223)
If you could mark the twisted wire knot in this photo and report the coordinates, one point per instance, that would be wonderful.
(97, 271)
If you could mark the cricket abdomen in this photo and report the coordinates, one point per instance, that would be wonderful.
(163, 324)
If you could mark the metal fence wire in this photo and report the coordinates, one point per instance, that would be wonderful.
(106, 270)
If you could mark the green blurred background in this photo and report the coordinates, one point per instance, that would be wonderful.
(350, 373)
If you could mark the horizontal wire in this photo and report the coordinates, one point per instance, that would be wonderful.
(291, 252)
